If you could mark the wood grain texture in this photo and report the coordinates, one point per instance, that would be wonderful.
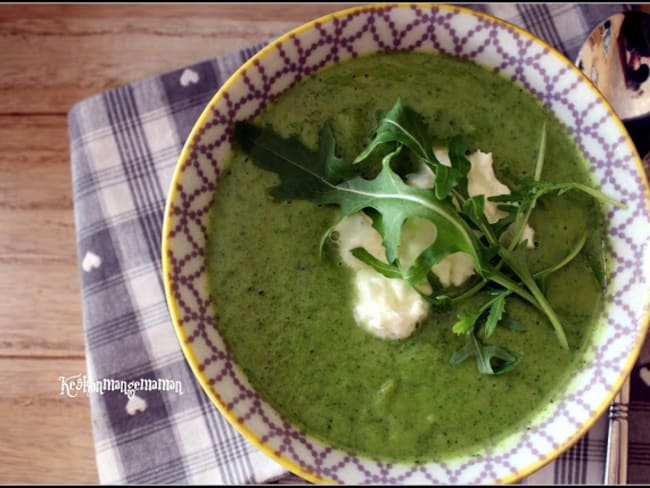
(45, 435)
(93, 48)
(52, 56)
(37, 248)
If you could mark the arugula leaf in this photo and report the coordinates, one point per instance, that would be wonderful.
(460, 163)
(402, 125)
(467, 351)
(532, 190)
(396, 201)
(312, 176)
(465, 323)
(467, 320)
(529, 205)
(516, 260)
(541, 188)
(282, 156)
(540, 277)
(513, 214)
(473, 208)
(498, 360)
(525, 200)
(490, 359)
(496, 312)
(388, 270)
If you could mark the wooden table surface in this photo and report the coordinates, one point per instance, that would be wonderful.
(52, 56)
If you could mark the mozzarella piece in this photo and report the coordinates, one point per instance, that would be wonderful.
(454, 269)
(388, 307)
(481, 180)
(357, 231)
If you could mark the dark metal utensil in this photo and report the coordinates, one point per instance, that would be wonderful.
(617, 445)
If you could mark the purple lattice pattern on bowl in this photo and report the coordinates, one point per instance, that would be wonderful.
(486, 41)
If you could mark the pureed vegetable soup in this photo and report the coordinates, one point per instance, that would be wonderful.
(285, 308)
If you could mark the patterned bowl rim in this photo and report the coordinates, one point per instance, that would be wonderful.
(235, 78)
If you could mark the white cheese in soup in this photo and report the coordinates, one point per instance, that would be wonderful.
(388, 307)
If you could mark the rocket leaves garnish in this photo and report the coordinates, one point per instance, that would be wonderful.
(393, 200)
(322, 177)
(495, 305)
(490, 359)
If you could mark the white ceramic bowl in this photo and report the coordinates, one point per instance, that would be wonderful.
(484, 40)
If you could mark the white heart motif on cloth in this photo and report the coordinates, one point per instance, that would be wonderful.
(91, 261)
(135, 405)
(189, 77)
(644, 373)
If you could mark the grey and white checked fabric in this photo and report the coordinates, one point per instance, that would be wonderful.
(124, 145)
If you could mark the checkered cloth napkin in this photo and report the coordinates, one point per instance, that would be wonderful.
(152, 423)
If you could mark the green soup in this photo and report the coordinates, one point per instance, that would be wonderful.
(285, 311)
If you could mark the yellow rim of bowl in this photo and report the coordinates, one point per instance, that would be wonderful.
(182, 161)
